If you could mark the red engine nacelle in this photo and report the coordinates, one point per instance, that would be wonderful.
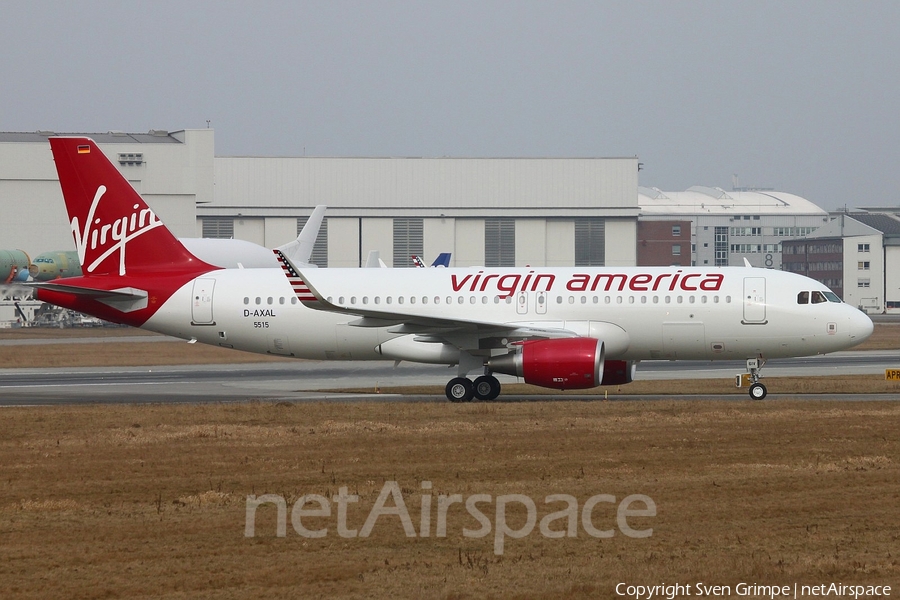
(617, 372)
(564, 364)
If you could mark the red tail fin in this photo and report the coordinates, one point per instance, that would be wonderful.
(115, 232)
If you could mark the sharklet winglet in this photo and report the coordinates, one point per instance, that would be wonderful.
(302, 291)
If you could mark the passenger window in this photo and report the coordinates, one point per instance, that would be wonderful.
(246, 300)
(803, 298)
(818, 298)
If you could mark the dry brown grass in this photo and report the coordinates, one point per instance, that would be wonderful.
(125, 501)
(125, 354)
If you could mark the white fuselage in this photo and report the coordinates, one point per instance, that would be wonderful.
(639, 312)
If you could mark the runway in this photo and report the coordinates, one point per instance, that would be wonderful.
(303, 381)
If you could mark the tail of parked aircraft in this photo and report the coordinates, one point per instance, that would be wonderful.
(115, 232)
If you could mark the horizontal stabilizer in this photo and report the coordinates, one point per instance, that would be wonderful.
(123, 299)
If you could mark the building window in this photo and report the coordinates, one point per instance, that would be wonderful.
(863, 283)
(863, 265)
(500, 242)
(676, 230)
(676, 249)
(218, 227)
(862, 248)
(319, 256)
(590, 242)
(721, 247)
(407, 240)
(746, 231)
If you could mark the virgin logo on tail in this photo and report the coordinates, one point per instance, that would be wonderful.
(116, 235)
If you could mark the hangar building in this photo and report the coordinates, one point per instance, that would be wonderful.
(486, 211)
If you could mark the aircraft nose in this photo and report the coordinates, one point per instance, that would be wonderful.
(861, 326)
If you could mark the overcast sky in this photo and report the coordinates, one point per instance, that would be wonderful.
(798, 96)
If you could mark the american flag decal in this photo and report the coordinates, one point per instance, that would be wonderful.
(299, 286)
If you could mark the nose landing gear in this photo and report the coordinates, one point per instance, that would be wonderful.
(757, 390)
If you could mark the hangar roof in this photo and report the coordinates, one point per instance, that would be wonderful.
(154, 136)
(701, 200)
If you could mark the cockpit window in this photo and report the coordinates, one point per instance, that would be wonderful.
(817, 297)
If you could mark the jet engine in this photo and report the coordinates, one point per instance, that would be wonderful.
(617, 372)
(564, 364)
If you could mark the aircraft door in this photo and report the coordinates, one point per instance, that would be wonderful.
(754, 300)
(202, 301)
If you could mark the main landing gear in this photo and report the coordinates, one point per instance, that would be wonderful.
(757, 390)
(463, 389)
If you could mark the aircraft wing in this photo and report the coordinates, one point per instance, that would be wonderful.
(436, 328)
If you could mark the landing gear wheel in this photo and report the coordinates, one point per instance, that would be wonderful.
(459, 389)
(487, 387)
(758, 391)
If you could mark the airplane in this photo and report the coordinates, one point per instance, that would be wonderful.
(560, 328)
(55, 265)
(13, 266)
(443, 260)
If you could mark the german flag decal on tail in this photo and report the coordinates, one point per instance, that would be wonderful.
(299, 286)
